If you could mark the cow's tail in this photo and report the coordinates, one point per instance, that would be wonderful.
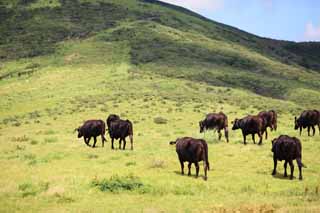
(206, 155)
(130, 133)
(103, 132)
(274, 121)
(226, 130)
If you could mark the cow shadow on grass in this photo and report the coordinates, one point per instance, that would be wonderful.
(193, 175)
(280, 176)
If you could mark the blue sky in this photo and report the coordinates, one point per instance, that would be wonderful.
(294, 20)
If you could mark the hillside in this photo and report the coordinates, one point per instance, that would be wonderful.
(163, 67)
(176, 38)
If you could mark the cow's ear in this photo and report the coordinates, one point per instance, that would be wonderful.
(295, 118)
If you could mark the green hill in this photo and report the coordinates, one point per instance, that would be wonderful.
(163, 67)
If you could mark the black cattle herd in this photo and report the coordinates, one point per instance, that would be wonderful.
(193, 150)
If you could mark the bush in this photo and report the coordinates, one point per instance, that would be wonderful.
(160, 120)
(117, 184)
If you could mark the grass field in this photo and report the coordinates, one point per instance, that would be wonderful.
(164, 78)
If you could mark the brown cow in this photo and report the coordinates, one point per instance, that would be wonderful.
(193, 151)
(250, 125)
(120, 129)
(270, 118)
(307, 119)
(216, 121)
(287, 148)
(92, 128)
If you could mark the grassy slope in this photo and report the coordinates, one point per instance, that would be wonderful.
(44, 167)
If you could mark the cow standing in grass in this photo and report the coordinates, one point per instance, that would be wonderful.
(92, 128)
(288, 149)
(120, 129)
(250, 125)
(216, 121)
(270, 118)
(308, 119)
(193, 151)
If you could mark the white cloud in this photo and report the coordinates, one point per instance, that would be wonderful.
(198, 5)
(312, 32)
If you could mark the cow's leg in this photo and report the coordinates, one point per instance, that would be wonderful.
(131, 141)
(219, 134)
(285, 169)
(260, 137)
(85, 141)
(299, 166)
(244, 138)
(182, 166)
(274, 166)
(308, 130)
(120, 140)
(300, 130)
(266, 134)
(205, 168)
(103, 139)
(226, 133)
(292, 169)
(254, 141)
(124, 143)
(189, 168)
(313, 130)
(197, 168)
(112, 140)
(88, 141)
(319, 128)
(95, 141)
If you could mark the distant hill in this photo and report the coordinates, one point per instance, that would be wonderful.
(165, 39)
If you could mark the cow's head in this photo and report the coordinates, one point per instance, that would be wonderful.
(79, 132)
(296, 123)
(235, 124)
(202, 126)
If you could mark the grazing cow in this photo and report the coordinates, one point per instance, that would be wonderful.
(308, 119)
(193, 151)
(217, 121)
(92, 128)
(250, 125)
(270, 118)
(288, 149)
(120, 129)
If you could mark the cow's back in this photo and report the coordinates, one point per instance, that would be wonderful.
(219, 120)
(287, 148)
(190, 149)
(93, 128)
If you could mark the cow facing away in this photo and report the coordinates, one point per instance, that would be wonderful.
(120, 129)
(288, 149)
(250, 125)
(308, 119)
(216, 121)
(92, 128)
(270, 118)
(193, 151)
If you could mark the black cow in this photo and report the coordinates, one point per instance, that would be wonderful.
(193, 151)
(92, 128)
(250, 125)
(217, 121)
(308, 119)
(288, 149)
(270, 118)
(120, 129)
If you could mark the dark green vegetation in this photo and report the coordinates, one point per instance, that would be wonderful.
(164, 68)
